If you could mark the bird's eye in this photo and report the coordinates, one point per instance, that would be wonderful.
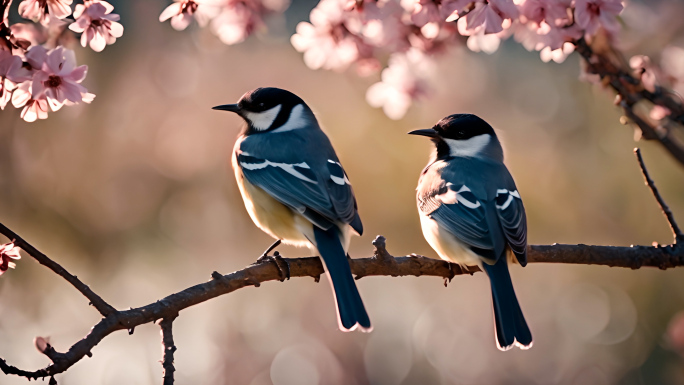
(261, 105)
(461, 133)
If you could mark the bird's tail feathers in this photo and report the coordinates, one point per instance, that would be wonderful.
(511, 327)
(351, 314)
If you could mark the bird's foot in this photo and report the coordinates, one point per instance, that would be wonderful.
(281, 264)
(452, 273)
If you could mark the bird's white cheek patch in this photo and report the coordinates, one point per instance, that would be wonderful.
(296, 120)
(263, 120)
(469, 147)
(455, 197)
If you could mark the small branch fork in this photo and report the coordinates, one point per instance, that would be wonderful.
(382, 263)
(103, 307)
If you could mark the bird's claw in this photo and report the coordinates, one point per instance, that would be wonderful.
(281, 264)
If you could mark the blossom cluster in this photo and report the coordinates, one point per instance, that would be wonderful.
(342, 33)
(232, 21)
(37, 73)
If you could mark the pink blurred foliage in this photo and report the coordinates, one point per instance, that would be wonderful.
(232, 21)
(402, 82)
(366, 35)
(8, 252)
(334, 38)
(675, 333)
(344, 33)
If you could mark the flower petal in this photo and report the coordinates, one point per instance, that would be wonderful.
(170, 11)
(116, 29)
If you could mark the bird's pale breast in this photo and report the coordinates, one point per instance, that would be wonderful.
(446, 244)
(271, 216)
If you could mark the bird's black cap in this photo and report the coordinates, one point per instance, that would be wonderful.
(458, 127)
(262, 99)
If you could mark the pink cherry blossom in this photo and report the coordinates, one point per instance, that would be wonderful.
(450, 9)
(59, 79)
(590, 14)
(8, 252)
(33, 109)
(35, 58)
(182, 12)
(41, 10)
(426, 11)
(491, 15)
(659, 112)
(479, 40)
(328, 41)
(380, 24)
(434, 42)
(237, 21)
(552, 43)
(11, 73)
(645, 70)
(98, 25)
(558, 55)
(404, 80)
(551, 12)
(28, 32)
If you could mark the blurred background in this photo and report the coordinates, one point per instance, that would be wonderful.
(134, 194)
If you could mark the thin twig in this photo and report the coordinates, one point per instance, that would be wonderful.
(168, 348)
(103, 307)
(676, 231)
(633, 257)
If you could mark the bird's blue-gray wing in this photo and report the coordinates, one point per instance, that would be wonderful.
(323, 195)
(292, 184)
(511, 215)
(465, 213)
(458, 211)
(342, 195)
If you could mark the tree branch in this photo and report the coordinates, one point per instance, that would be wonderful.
(380, 264)
(168, 348)
(631, 91)
(676, 231)
(103, 307)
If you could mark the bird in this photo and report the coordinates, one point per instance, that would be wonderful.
(471, 214)
(296, 190)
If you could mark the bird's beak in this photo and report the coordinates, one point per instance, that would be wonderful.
(227, 107)
(429, 132)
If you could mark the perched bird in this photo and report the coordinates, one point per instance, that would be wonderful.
(471, 213)
(296, 190)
